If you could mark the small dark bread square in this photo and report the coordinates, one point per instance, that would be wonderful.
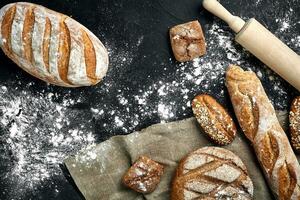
(144, 175)
(187, 41)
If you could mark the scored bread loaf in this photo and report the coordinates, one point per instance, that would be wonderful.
(211, 173)
(258, 120)
(51, 46)
(214, 119)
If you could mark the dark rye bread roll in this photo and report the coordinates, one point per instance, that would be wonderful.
(51, 46)
(211, 173)
(258, 120)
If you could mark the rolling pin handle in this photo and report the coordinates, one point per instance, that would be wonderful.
(234, 22)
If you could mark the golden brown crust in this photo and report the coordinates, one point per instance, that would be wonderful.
(287, 181)
(214, 119)
(46, 43)
(250, 115)
(64, 51)
(294, 118)
(27, 34)
(211, 173)
(90, 58)
(270, 143)
(269, 152)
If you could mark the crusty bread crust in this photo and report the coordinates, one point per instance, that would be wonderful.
(258, 120)
(51, 46)
(211, 173)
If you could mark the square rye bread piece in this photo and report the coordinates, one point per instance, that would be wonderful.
(144, 175)
(187, 41)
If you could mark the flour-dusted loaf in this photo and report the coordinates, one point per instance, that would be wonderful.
(214, 119)
(187, 41)
(258, 120)
(211, 173)
(51, 46)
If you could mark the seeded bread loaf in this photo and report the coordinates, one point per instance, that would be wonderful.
(258, 120)
(211, 173)
(214, 119)
(51, 46)
(294, 118)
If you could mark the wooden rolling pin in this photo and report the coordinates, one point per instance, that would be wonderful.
(262, 43)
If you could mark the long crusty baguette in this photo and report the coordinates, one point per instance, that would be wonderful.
(258, 120)
(51, 46)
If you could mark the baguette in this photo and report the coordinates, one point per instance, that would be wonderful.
(258, 120)
(51, 46)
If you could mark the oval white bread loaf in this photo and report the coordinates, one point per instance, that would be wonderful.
(51, 46)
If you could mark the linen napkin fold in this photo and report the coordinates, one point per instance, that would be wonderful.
(98, 169)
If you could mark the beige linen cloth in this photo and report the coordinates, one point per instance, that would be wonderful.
(97, 170)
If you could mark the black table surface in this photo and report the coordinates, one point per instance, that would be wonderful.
(120, 25)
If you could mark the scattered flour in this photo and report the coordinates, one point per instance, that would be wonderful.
(202, 75)
(36, 134)
(37, 131)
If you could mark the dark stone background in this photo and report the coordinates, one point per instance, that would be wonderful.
(118, 23)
